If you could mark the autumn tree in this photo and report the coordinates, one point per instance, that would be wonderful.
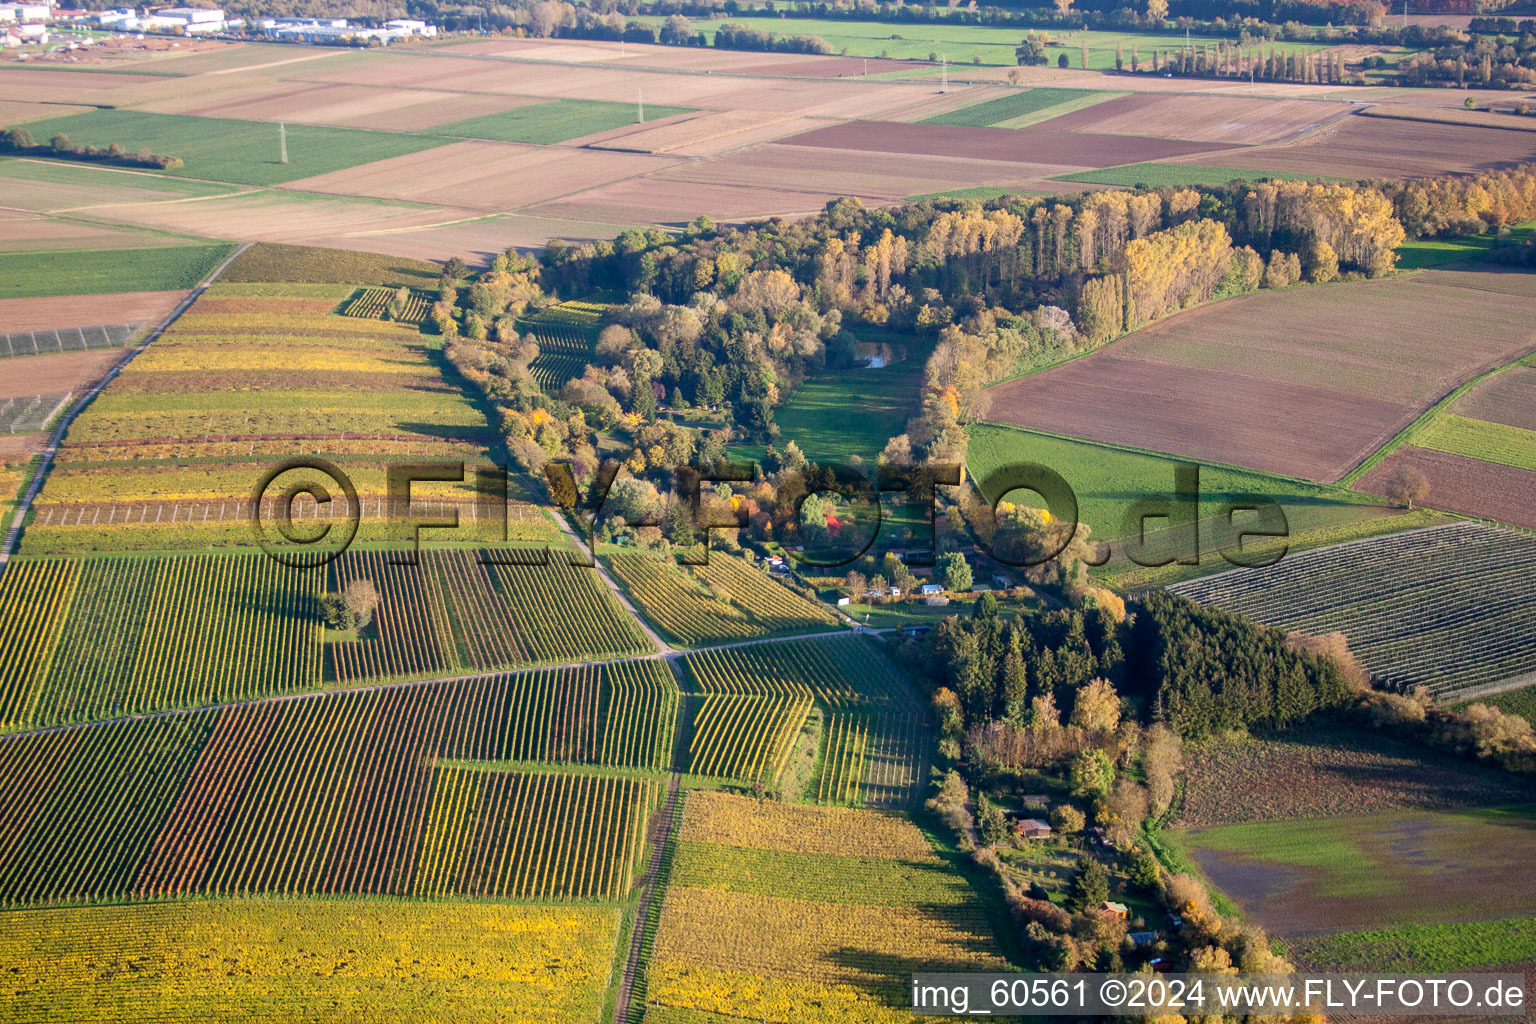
(1407, 485)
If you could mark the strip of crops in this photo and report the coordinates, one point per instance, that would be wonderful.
(83, 840)
(389, 304)
(407, 634)
(839, 672)
(307, 960)
(745, 736)
(91, 675)
(565, 613)
(895, 760)
(33, 599)
(564, 353)
(484, 628)
(842, 767)
(329, 793)
(1449, 608)
(532, 835)
(717, 603)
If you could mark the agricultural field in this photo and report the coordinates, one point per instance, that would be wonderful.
(1442, 608)
(1022, 108)
(405, 790)
(100, 272)
(1161, 175)
(702, 605)
(565, 334)
(287, 959)
(1106, 480)
(230, 150)
(781, 912)
(1386, 870)
(1517, 702)
(544, 124)
(1321, 772)
(404, 305)
(1302, 382)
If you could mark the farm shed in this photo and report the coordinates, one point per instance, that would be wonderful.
(1031, 828)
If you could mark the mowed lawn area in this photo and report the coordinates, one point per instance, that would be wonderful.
(1371, 891)
(103, 271)
(1153, 175)
(227, 149)
(544, 124)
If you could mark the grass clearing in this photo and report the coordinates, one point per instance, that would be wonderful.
(87, 176)
(1421, 253)
(1455, 946)
(1020, 105)
(979, 193)
(544, 124)
(105, 271)
(1479, 439)
(227, 149)
(1155, 175)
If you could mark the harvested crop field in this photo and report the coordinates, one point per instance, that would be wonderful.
(664, 201)
(699, 134)
(1375, 147)
(30, 232)
(41, 314)
(1201, 118)
(1363, 871)
(351, 106)
(1033, 147)
(1326, 773)
(1459, 484)
(43, 84)
(1306, 382)
(1451, 115)
(280, 216)
(482, 238)
(486, 175)
(848, 172)
(40, 186)
(66, 371)
(1508, 398)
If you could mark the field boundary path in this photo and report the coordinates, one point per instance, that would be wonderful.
(624, 602)
(45, 463)
(662, 834)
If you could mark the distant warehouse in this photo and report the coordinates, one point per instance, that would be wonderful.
(339, 30)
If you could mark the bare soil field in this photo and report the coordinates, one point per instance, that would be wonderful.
(66, 371)
(851, 172)
(18, 448)
(1508, 398)
(476, 239)
(1460, 484)
(530, 78)
(13, 112)
(352, 106)
(665, 201)
(34, 84)
(1200, 118)
(1328, 773)
(486, 175)
(1378, 147)
(699, 134)
(30, 232)
(86, 310)
(735, 62)
(1031, 147)
(1305, 382)
(279, 215)
(1452, 115)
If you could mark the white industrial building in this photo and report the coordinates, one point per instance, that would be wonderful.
(24, 14)
(191, 20)
(339, 30)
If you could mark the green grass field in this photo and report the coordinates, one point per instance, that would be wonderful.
(1022, 105)
(1422, 253)
(1160, 175)
(1456, 946)
(226, 149)
(544, 124)
(967, 44)
(102, 271)
(837, 414)
(94, 176)
(1108, 479)
(1479, 439)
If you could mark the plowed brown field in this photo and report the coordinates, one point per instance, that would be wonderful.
(1305, 382)
(1032, 147)
(1460, 484)
(1508, 398)
(85, 310)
